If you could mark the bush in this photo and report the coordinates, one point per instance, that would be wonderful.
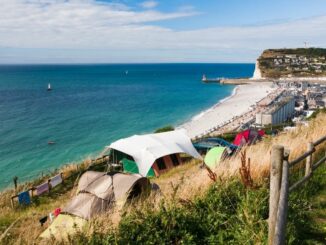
(164, 129)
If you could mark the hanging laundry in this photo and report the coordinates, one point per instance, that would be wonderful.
(42, 188)
(56, 180)
(24, 198)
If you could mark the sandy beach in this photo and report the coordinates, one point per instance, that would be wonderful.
(240, 106)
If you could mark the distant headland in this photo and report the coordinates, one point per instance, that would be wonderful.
(300, 64)
(291, 63)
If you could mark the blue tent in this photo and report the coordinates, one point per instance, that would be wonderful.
(208, 143)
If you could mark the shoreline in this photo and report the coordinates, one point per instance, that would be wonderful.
(242, 101)
(203, 112)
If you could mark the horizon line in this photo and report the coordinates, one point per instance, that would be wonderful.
(125, 63)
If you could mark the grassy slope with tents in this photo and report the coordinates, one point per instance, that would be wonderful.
(191, 207)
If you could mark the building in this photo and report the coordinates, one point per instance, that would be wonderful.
(316, 103)
(278, 113)
(304, 86)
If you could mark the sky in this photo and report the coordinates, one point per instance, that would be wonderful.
(153, 31)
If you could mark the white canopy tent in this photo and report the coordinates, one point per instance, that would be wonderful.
(145, 149)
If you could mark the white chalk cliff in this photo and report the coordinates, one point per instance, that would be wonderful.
(257, 72)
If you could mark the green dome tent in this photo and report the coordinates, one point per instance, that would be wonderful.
(214, 156)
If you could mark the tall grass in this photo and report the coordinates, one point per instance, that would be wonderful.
(227, 213)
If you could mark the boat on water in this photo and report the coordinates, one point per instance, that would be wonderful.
(211, 80)
(49, 87)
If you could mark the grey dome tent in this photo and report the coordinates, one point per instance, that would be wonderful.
(98, 192)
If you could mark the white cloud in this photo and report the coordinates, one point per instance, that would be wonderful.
(149, 4)
(87, 31)
(187, 8)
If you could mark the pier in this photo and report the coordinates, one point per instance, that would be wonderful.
(210, 80)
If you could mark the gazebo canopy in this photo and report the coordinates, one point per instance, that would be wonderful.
(145, 149)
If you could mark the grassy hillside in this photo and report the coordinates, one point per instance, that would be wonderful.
(227, 213)
(301, 62)
(190, 208)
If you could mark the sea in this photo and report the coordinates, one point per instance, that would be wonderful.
(91, 106)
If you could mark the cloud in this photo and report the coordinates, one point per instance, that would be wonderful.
(149, 4)
(89, 31)
(187, 8)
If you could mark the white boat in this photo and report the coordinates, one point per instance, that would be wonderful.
(49, 87)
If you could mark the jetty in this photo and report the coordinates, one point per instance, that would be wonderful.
(210, 80)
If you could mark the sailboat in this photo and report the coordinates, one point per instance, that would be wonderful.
(49, 87)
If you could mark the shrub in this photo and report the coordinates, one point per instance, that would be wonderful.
(164, 129)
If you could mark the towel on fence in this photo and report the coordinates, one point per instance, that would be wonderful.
(42, 188)
(56, 180)
(24, 198)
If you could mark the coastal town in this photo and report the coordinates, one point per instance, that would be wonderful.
(287, 86)
(284, 103)
(300, 63)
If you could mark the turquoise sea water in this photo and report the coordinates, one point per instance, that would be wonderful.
(93, 105)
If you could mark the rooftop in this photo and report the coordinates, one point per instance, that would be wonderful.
(278, 104)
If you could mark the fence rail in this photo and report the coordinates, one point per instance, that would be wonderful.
(280, 187)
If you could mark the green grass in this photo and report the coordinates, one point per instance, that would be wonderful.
(307, 211)
(227, 213)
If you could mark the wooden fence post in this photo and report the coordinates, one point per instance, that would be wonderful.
(15, 179)
(280, 229)
(12, 202)
(309, 160)
(274, 193)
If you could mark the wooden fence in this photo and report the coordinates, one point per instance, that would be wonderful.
(280, 187)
